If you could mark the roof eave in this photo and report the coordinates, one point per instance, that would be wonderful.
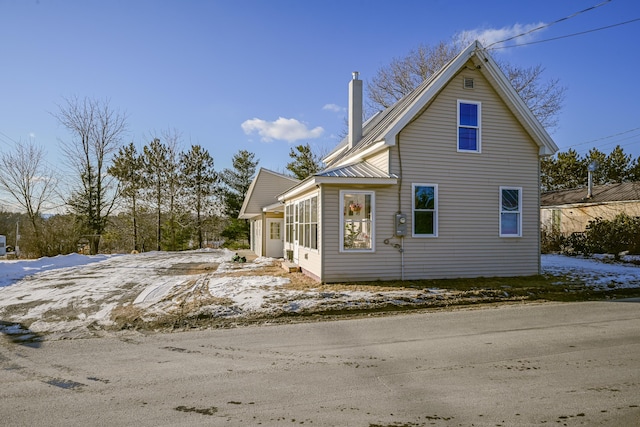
(486, 65)
(320, 180)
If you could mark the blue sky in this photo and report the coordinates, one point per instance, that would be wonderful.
(281, 67)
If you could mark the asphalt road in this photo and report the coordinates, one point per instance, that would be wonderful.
(547, 364)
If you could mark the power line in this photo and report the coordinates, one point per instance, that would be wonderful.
(568, 35)
(549, 24)
(605, 137)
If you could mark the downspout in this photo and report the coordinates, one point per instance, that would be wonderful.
(400, 206)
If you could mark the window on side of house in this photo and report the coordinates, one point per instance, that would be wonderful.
(288, 219)
(469, 120)
(510, 212)
(307, 222)
(425, 210)
(357, 221)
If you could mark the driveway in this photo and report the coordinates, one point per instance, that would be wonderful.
(531, 364)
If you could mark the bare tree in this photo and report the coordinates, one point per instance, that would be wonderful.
(404, 74)
(96, 133)
(30, 182)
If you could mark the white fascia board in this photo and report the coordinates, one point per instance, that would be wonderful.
(249, 215)
(547, 146)
(437, 85)
(302, 188)
(319, 180)
(275, 207)
(373, 149)
(333, 155)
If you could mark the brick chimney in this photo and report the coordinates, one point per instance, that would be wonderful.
(355, 110)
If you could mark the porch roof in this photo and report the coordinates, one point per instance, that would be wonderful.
(361, 173)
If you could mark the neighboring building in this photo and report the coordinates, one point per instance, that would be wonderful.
(443, 184)
(265, 213)
(569, 211)
(3, 245)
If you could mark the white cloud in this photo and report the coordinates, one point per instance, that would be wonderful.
(333, 107)
(489, 36)
(289, 130)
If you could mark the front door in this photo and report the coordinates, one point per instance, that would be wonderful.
(275, 238)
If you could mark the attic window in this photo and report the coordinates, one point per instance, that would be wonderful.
(468, 83)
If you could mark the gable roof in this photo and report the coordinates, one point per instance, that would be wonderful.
(387, 125)
(620, 192)
(263, 191)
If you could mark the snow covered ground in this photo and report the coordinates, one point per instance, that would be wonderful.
(73, 295)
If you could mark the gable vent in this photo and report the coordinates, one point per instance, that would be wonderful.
(468, 83)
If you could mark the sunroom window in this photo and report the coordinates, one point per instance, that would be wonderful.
(469, 119)
(357, 220)
(510, 212)
(306, 222)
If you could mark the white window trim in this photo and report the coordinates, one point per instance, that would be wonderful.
(373, 221)
(413, 209)
(519, 211)
(299, 226)
(479, 127)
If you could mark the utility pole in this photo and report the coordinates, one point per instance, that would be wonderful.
(17, 250)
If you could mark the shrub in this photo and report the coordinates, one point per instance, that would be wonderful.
(613, 236)
(551, 241)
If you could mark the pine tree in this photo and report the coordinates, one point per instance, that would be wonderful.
(128, 168)
(156, 165)
(305, 163)
(568, 171)
(237, 182)
(617, 166)
(200, 182)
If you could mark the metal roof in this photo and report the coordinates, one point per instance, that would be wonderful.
(356, 170)
(620, 192)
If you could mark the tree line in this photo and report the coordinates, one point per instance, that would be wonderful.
(120, 198)
(568, 170)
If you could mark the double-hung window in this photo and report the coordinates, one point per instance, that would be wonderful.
(425, 210)
(469, 119)
(289, 223)
(307, 222)
(510, 212)
(357, 220)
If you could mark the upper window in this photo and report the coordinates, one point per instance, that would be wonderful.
(425, 210)
(469, 119)
(510, 212)
(357, 222)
